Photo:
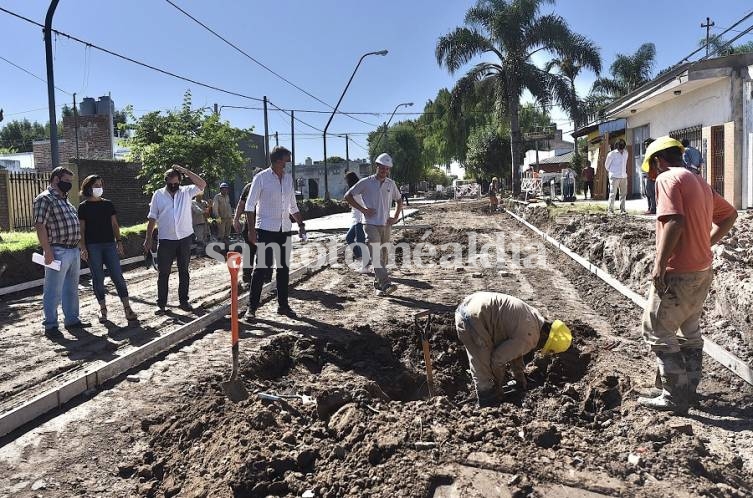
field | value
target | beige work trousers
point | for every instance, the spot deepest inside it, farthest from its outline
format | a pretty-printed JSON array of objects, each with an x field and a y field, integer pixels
[
  {"x": 614, "y": 185},
  {"x": 224, "y": 226},
  {"x": 377, "y": 241},
  {"x": 672, "y": 321}
]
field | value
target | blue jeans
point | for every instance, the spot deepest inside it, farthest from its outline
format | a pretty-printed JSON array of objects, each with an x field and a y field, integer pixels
[
  {"x": 62, "y": 286},
  {"x": 106, "y": 253},
  {"x": 356, "y": 234}
]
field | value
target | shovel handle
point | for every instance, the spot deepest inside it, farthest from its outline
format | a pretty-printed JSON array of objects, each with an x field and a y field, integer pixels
[{"x": 234, "y": 262}]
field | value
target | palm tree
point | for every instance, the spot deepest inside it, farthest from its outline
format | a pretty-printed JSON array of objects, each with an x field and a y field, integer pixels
[
  {"x": 628, "y": 72},
  {"x": 569, "y": 68},
  {"x": 511, "y": 32}
]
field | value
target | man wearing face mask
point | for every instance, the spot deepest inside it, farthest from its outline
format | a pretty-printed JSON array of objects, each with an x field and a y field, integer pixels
[
  {"x": 170, "y": 210},
  {"x": 59, "y": 231},
  {"x": 616, "y": 166},
  {"x": 690, "y": 218}
]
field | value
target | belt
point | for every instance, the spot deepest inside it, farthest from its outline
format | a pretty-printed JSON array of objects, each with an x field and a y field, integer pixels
[{"x": 66, "y": 246}]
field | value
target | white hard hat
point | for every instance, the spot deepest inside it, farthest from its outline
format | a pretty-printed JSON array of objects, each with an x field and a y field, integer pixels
[{"x": 384, "y": 159}]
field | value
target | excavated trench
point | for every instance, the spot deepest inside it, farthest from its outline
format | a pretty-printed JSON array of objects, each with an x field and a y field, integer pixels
[{"x": 368, "y": 419}]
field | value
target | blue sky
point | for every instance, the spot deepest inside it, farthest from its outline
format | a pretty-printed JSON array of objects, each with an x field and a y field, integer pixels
[{"x": 315, "y": 44}]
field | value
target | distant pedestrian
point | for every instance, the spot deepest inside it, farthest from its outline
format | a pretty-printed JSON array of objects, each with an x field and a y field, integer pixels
[
  {"x": 270, "y": 204},
  {"x": 649, "y": 185},
  {"x": 356, "y": 233},
  {"x": 223, "y": 211},
  {"x": 170, "y": 210},
  {"x": 101, "y": 244},
  {"x": 588, "y": 181},
  {"x": 59, "y": 233},
  {"x": 691, "y": 218},
  {"x": 568, "y": 184},
  {"x": 616, "y": 165},
  {"x": 692, "y": 157},
  {"x": 199, "y": 214},
  {"x": 493, "y": 192},
  {"x": 378, "y": 191}
]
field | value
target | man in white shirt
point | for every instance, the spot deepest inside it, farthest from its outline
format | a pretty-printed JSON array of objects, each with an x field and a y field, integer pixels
[
  {"x": 616, "y": 166},
  {"x": 378, "y": 192},
  {"x": 269, "y": 206},
  {"x": 170, "y": 210}
]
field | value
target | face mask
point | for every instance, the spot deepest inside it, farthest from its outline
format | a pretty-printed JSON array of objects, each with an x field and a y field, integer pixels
[
  {"x": 98, "y": 191},
  {"x": 64, "y": 186},
  {"x": 173, "y": 187}
]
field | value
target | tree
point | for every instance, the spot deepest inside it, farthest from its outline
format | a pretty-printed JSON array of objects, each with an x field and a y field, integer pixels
[
  {"x": 20, "y": 135},
  {"x": 628, "y": 73},
  {"x": 335, "y": 160},
  {"x": 488, "y": 153},
  {"x": 720, "y": 47},
  {"x": 570, "y": 68},
  {"x": 66, "y": 111},
  {"x": 120, "y": 120},
  {"x": 510, "y": 33},
  {"x": 402, "y": 143},
  {"x": 194, "y": 138}
]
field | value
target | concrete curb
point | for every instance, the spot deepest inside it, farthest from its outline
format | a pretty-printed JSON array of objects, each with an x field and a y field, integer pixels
[
  {"x": 718, "y": 353},
  {"x": 98, "y": 375}
]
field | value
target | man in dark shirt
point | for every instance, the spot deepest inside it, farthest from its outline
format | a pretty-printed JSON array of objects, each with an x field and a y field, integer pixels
[
  {"x": 58, "y": 230},
  {"x": 588, "y": 181}
]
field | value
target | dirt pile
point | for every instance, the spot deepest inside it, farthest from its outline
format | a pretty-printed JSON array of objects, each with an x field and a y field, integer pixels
[
  {"x": 372, "y": 432},
  {"x": 625, "y": 247}
]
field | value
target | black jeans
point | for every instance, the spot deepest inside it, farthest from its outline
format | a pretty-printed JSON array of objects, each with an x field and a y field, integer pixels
[
  {"x": 167, "y": 252},
  {"x": 588, "y": 187},
  {"x": 276, "y": 246}
]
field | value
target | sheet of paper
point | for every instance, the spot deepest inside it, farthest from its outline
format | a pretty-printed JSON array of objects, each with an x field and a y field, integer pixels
[{"x": 39, "y": 259}]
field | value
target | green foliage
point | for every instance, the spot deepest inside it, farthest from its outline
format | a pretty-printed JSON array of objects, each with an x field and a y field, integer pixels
[
  {"x": 628, "y": 72},
  {"x": 120, "y": 120},
  {"x": 403, "y": 144},
  {"x": 488, "y": 154},
  {"x": 20, "y": 135},
  {"x": 435, "y": 176},
  {"x": 67, "y": 111},
  {"x": 194, "y": 138},
  {"x": 18, "y": 241},
  {"x": 335, "y": 160},
  {"x": 507, "y": 35},
  {"x": 7, "y": 150}
]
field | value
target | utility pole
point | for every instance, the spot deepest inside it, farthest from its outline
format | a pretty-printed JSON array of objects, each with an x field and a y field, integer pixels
[
  {"x": 277, "y": 140},
  {"x": 51, "y": 83},
  {"x": 292, "y": 146},
  {"x": 266, "y": 134},
  {"x": 347, "y": 154},
  {"x": 708, "y": 25},
  {"x": 75, "y": 121}
]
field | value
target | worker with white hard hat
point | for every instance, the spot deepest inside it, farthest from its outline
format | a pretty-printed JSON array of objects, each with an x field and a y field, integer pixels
[
  {"x": 496, "y": 330},
  {"x": 378, "y": 192}
]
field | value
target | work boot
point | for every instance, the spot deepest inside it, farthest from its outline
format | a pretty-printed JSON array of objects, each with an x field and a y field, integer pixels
[
  {"x": 674, "y": 378},
  {"x": 487, "y": 398},
  {"x": 694, "y": 366}
]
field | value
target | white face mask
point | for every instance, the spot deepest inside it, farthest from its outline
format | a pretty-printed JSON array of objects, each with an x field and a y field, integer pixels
[{"x": 98, "y": 191}]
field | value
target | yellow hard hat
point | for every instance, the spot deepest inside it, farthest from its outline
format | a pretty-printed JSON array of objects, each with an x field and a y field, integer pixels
[
  {"x": 660, "y": 143},
  {"x": 559, "y": 340}
]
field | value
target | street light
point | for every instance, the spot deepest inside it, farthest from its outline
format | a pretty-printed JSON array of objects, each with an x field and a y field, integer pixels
[
  {"x": 387, "y": 125},
  {"x": 334, "y": 111}
]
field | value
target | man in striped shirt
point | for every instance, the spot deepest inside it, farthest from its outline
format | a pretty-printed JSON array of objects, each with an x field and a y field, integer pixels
[
  {"x": 59, "y": 232},
  {"x": 269, "y": 206}
]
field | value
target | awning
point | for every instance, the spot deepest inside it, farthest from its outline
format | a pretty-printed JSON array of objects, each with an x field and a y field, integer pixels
[{"x": 613, "y": 126}]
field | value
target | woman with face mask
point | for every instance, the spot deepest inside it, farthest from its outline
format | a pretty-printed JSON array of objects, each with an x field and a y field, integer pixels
[{"x": 101, "y": 244}]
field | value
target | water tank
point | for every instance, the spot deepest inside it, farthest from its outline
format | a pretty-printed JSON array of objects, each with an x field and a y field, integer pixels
[
  {"x": 105, "y": 105},
  {"x": 87, "y": 107}
]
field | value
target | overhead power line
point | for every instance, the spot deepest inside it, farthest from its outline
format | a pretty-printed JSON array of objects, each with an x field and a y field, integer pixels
[
  {"x": 33, "y": 75},
  {"x": 256, "y": 61},
  {"x": 134, "y": 61}
]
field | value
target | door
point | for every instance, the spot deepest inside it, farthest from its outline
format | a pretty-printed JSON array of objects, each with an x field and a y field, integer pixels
[
  {"x": 640, "y": 135},
  {"x": 313, "y": 189},
  {"x": 717, "y": 159}
]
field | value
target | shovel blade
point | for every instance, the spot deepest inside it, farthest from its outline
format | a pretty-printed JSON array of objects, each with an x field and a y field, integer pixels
[{"x": 235, "y": 390}]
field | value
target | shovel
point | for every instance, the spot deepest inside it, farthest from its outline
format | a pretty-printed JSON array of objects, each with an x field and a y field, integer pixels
[
  {"x": 234, "y": 388},
  {"x": 422, "y": 333}
]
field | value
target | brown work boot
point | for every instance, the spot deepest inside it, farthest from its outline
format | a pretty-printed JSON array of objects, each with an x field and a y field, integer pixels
[{"x": 674, "y": 378}]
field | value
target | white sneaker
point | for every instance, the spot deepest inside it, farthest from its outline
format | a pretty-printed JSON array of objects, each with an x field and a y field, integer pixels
[
  {"x": 365, "y": 270},
  {"x": 379, "y": 292}
]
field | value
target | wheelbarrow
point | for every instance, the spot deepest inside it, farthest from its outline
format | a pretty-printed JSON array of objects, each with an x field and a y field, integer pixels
[{"x": 234, "y": 387}]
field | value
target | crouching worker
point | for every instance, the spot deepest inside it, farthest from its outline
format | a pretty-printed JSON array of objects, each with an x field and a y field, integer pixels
[{"x": 497, "y": 330}]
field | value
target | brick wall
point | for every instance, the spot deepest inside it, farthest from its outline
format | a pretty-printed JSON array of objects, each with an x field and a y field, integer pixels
[
  {"x": 95, "y": 136},
  {"x": 4, "y": 194},
  {"x": 122, "y": 187}
]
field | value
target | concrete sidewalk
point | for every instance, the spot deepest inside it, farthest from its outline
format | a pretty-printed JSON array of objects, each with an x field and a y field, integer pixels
[{"x": 339, "y": 221}]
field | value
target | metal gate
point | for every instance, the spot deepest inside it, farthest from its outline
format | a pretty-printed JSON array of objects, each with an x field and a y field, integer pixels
[
  {"x": 717, "y": 159},
  {"x": 24, "y": 187}
]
